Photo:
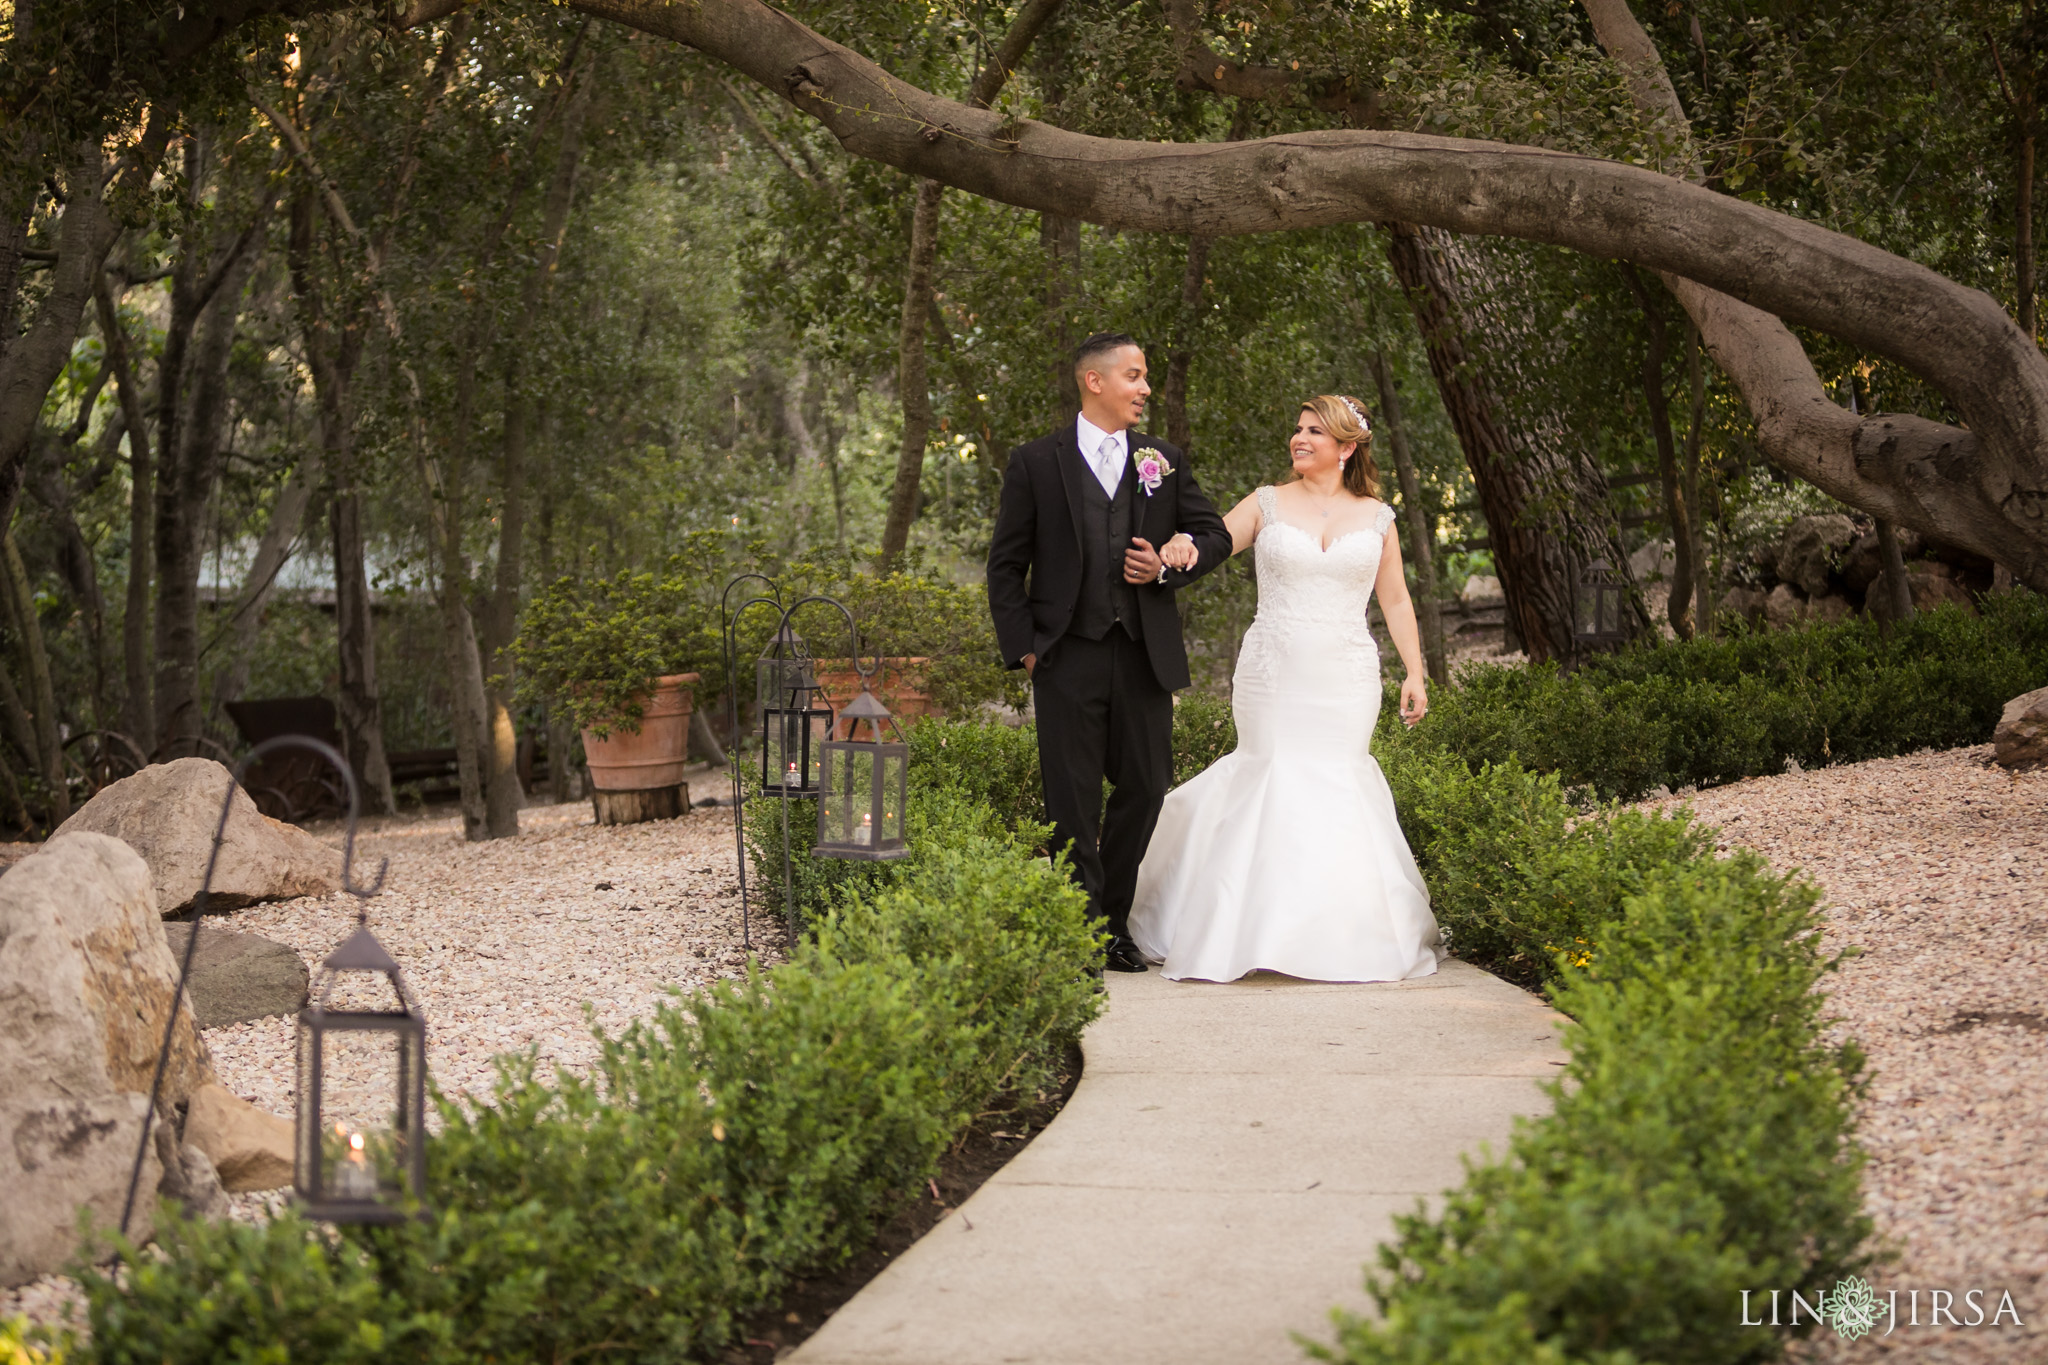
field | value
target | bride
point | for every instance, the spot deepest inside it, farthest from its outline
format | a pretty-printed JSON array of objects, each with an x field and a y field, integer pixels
[{"x": 1285, "y": 855}]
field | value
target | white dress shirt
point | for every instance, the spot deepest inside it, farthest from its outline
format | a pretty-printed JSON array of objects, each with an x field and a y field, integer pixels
[{"x": 1109, "y": 468}]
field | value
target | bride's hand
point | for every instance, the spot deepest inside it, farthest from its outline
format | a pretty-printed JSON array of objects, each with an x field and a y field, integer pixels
[
  {"x": 1414, "y": 700},
  {"x": 1179, "y": 553}
]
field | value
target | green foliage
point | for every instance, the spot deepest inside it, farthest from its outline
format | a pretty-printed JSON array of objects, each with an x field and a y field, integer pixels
[
  {"x": 1713, "y": 711},
  {"x": 1009, "y": 946},
  {"x": 992, "y": 766},
  {"x": 1514, "y": 877},
  {"x": 240, "y": 1294},
  {"x": 1204, "y": 729},
  {"x": 1700, "y": 1144},
  {"x": 21, "y": 1344},
  {"x": 594, "y": 646},
  {"x": 727, "y": 1144},
  {"x": 913, "y": 610}
]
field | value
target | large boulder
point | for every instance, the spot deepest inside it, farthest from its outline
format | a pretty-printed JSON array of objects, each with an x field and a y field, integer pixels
[
  {"x": 86, "y": 989},
  {"x": 238, "y": 976},
  {"x": 1935, "y": 584},
  {"x": 1810, "y": 550},
  {"x": 1784, "y": 606},
  {"x": 168, "y": 813},
  {"x": 2021, "y": 739}
]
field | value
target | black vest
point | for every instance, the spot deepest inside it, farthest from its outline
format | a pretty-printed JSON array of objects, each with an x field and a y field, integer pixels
[{"x": 1106, "y": 522}]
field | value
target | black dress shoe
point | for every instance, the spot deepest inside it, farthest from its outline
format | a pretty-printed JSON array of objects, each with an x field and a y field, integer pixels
[{"x": 1123, "y": 956}]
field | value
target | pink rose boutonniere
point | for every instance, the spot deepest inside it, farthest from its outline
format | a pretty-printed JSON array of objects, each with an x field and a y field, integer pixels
[{"x": 1152, "y": 468}]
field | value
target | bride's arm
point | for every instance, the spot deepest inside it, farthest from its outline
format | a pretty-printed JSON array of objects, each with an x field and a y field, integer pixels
[
  {"x": 1399, "y": 610},
  {"x": 1242, "y": 521}
]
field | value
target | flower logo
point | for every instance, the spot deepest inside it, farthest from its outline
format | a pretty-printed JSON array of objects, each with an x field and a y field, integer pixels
[
  {"x": 1852, "y": 1309},
  {"x": 1152, "y": 468}
]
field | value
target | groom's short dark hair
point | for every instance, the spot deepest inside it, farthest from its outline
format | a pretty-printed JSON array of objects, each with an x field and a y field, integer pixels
[{"x": 1102, "y": 343}]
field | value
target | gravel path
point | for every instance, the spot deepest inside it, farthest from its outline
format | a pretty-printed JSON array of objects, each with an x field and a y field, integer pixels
[
  {"x": 1934, "y": 866},
  {"x": 506, "y": 941}
]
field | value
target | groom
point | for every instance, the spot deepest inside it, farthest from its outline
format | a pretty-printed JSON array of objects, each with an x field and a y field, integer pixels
[{"x": 1083, "y": 604}]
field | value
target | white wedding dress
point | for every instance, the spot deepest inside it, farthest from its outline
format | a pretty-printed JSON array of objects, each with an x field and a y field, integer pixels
[{"x": 1284, "y": 855}]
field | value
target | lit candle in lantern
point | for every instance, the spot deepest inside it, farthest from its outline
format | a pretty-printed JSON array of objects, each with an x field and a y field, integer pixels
[
  {"x": 866, "y": 833},
  {"x": 356, "y": 1175}
]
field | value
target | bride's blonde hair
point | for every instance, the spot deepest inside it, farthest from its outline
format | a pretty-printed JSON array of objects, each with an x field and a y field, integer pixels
[{"x": 1344, "y": 418}]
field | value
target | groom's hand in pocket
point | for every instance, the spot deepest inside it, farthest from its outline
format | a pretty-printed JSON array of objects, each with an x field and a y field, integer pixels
[{"x": 1141, "y": 562}]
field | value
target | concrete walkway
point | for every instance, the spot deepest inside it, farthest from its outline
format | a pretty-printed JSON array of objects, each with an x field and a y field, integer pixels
[{"x": 1219, "y": 1179}]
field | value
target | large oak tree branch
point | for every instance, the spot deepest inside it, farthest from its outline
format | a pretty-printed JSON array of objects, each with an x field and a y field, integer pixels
[
  {"x": 1956, "y": 338},
  {"x": 1924, "y": 474}
]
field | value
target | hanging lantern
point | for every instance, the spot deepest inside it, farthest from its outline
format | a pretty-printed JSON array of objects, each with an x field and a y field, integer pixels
[
  {"x": 864, "y": 782},
  {"x": 793, "y": 724},
  {"x": 361, "y": 1150},
  {"x": 1600, "y": 620}
]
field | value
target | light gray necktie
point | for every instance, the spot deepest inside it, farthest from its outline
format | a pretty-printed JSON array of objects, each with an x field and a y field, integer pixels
[{"x": 1109, "y": 465}]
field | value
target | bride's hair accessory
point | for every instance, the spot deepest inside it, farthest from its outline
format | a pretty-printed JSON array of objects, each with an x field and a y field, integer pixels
[{"x": 1358, "y": 412}]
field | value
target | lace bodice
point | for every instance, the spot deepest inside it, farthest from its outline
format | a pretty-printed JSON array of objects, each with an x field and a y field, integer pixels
[{"x": 1312, "y": 603}]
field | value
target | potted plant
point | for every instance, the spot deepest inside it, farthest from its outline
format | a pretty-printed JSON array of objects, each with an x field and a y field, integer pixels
[
  {"x": 936, "y": 642},
  {"x": 620, "y": 657}
]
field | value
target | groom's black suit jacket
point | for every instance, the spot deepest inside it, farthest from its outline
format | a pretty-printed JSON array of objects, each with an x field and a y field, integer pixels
[{"x": 1034, "y": 560}]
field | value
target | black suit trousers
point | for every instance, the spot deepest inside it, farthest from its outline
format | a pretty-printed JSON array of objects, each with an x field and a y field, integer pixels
[{"x": 1102, "y": 714}]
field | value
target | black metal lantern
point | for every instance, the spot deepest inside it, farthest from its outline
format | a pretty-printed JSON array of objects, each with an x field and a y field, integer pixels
[
  {"x": 793, "y": 724},
  {"x": 865, "y": 782},
  {"x": 362, "y": 1152},
  {"x": 1600, "y": 618},
  {"x": 372, "y": 1167}
]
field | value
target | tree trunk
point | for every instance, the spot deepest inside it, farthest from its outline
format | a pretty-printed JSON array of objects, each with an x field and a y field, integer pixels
[
  {"x": 333, "y": 359},
  {"x": 138, "y": 713},
  {"x": 1180, "y": 357},
  {"x": 1546, "y": 511},
  {"x": 1677, "y": 507},
  {"x": 76, "y": 562},
  {"x": 193, "y": 399},
  {"x": 33, "y": 356},
  {"x": 1898, "y": 592},
  {"x": 28, "y": 635},
  {"x": 1420, "y": 550},
  {"x": 912, "y": 383},
  {"x": 287, "y": 520},
  {"x": 359, "y": 706},
  {"x": 1705, "y": 600},
  {"x": 2023, "y": 231}
]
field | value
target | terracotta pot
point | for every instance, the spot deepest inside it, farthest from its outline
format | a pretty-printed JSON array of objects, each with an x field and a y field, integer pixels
[
  {"x": 652, "y": 755},
  {"x": 898, "y": 685}
]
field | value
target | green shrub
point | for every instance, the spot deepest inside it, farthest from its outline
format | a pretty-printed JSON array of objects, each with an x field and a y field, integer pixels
[
  {"x": 1010, "y": 948},
  {"x": 1204, "y": 729},
  {"x": 237, "y": 1294},
  {"x": 993, "y": 765},
  {"x": 569, "y": 1212},
  {"x": 1515, "y": 875},
  {"x": 1714, "y": 711},
  {"x": 732, "y": 1141},
  {"x": 1700, "y": 1145}
]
